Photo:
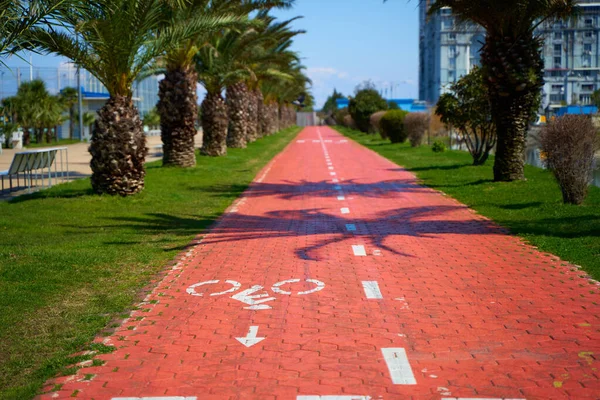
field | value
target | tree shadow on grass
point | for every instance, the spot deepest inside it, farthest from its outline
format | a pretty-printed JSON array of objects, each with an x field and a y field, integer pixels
[{"x": 439, "y": 167}]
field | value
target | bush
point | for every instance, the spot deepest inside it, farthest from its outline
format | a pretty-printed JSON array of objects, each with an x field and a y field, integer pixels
[
  {"x": 374, "y": 125},
  {"x": 392, "y": 126},
  {"x": 392, "y": 105},
  {"x": 569, "y": 144},
  {"x": 416, "y": 125},
  {"x": 339, "y": 115},
  {"x": 349, "y": 122},
  {"x": 438, "y": 146},
  {"x": 363, "y": 105}
]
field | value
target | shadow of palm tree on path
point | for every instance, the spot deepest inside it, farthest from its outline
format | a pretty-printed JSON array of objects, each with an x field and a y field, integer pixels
[{"x": 425, "y": 222}]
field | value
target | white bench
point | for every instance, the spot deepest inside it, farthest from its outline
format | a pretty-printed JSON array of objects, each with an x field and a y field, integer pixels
[{"x": 37, "y": 163}]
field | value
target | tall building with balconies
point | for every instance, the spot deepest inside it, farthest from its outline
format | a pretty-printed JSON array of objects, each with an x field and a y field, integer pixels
[{"x": 571, "y": 53}]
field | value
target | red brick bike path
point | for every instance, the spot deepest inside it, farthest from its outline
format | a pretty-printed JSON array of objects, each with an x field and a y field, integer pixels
[{"x": 336, "y": 274}]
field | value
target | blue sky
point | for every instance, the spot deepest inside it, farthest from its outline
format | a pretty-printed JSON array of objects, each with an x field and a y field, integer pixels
[{"x": 347, "y": 42}]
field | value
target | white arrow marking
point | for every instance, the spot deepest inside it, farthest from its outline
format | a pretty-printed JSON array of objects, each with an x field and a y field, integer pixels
[
  {"x": 247, "y": 297},
  {"x": 371, "y": 289},
  {"x": 250, "y": 339}
]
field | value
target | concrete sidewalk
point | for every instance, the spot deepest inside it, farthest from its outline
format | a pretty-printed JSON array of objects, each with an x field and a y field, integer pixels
[{"x": 337, "y": 276}]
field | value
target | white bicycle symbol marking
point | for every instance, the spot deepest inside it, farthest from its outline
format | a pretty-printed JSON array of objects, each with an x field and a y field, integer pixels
[{"x": 248, "y": 296}]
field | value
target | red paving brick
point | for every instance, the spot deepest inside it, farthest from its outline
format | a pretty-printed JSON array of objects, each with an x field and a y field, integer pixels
[{"x": 479, "y": 313}]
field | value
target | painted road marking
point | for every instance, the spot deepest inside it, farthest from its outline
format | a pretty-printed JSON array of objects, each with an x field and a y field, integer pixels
[
  {"x": 250, "y": 339},
  {"x": 328, "y": 141},
  {"x": 350, "y": 227},
  {"x": 371, "y": 289},
  {"x": 345, "y": 210},
  {"x": 332, "y": 174},
  {"x": 316, "y": 141},
  {"x": 398, "y": 365},
  {"x": 476, "y": 398},
  {"x": 276, "y": 288},
  {"x": 254, "y": 300},
  {"x": 334, "y": 397},
  {"x": 331, "y": 168},
  {"x": 340, "y": 198},
  {"x": 300, "y": 141},
  {"x": 335, "y": 180},
  {"x": 359, "y": 250},
  {"x": 157, "y": 398}
]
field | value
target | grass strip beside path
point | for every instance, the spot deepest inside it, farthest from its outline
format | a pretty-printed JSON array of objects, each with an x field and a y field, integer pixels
[
  {"x": 72, "y": 261},
  {"x": 59, "y": 143},
  {"x": 532, "y": 209}
]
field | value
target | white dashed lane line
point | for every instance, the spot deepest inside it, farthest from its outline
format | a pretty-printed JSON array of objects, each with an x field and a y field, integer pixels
[
  {"x": 371, "y": 289},
  {"x": 359, "y": 250},
  {"x": 399, "y": 367}
]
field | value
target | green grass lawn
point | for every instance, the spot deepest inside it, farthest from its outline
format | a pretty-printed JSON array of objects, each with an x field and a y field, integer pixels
[
  {"x": 71, "y": 261},
  {"x": 60, "y": 142},
  {"x": 532, "y": 209}
]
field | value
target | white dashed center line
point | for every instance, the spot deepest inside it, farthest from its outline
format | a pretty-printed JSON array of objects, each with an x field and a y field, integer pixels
[
  {"x": 359, "y": 250},
  {"x": 345, "y": 210},
  {"x": 371, "y": 289},
  {"x": 399, "y": 367}
]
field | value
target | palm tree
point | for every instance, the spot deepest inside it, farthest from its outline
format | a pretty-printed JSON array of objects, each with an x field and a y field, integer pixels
[
  {"x": 177, "y": 91},
  {"x": 267, "y": 55},
  {"x": 119, "y": 38},
  {"x": 279, "y": 93},
  {"x": 18, "y": 17},
  {"x": 512, "y": 67},
  {"x": 70, "y": 96},
  {"x": 30, "y": 104}
]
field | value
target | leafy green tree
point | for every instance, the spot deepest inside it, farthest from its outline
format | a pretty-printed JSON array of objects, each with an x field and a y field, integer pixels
[
  {"x": 512, "y": 67},
  {"x": 467, "y": 108},
  {"x": 393, "y": 105},
  {"x": 330, "y": 105},
  {"x": 116, "y": 40},
  {"x": 365, "y": 103}
]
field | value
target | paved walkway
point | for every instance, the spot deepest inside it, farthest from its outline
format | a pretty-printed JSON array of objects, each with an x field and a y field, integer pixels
[{"x": 337, "y": 275}]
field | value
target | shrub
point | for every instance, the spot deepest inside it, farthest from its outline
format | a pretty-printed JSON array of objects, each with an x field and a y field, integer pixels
[
  {"x": 569, "y": 144},
  {"x": 392, "y": 105},
  {"x": 392, "y": 126},
  {"x": 349, "y": 122},
  {"x": 438, "y": 146},
  {"x": 374, "y": 125},
  {"x": 416, "y": 125},
  {"x": 363, "y": 105},
  {"x": 339, "y": 115}
]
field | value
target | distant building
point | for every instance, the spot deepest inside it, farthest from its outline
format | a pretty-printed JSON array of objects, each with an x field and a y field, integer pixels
[
  {"x": 410, "y": 105},
  {"x": 95, "y": 95},
  {"x": 571, "y": 54}
]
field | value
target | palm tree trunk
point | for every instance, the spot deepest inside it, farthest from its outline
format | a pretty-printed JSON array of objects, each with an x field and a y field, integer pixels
[
  {"x": 237, "y": 108},
  {"x": 252, "y": 133},
  {"x": 214, "y": 125},
  {"x": 118, "y": 149},
  {"x": 178, "y": 109},
  {"x": 273, "y": 118},
  {"x": 26, "y": 136},
  {"x": 514, "y": 74},
  {"x": 71, "y": 122}
]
